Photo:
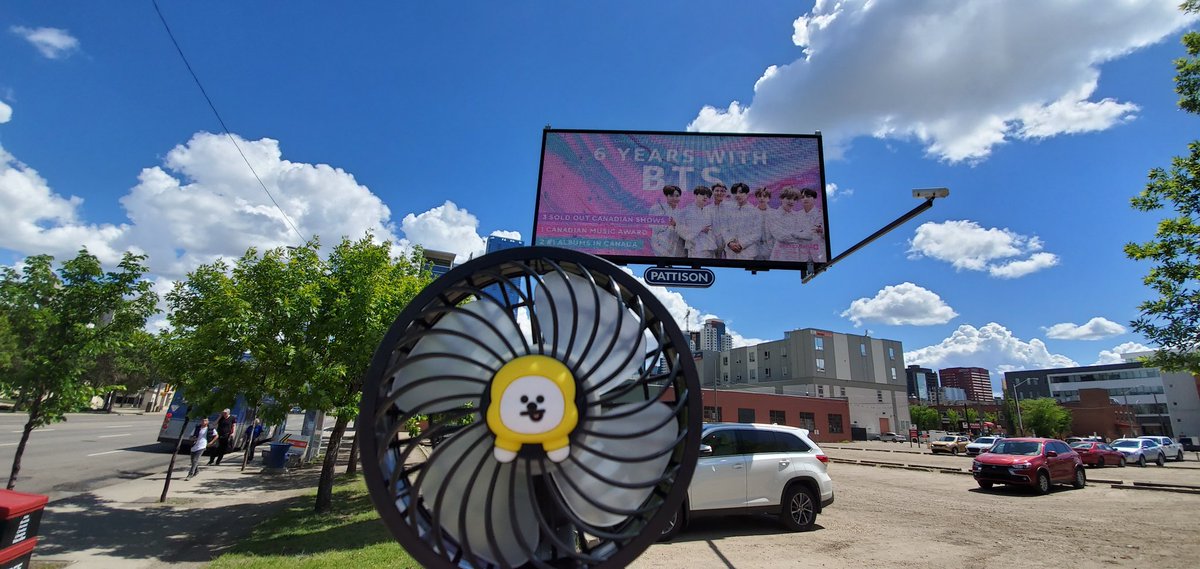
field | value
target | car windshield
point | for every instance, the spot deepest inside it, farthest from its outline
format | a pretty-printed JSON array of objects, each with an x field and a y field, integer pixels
[
  {"x": 1125, "y": 443},
  {"x": 947, "y": 439},
  {"x": 1028, "y": 448},
  {"x": 985, "y": 441}
]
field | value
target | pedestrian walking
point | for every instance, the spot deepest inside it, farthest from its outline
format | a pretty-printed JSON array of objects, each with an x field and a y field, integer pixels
[
  {"x": 225, "y": 429},
  {"x": 204, "y": 436}
]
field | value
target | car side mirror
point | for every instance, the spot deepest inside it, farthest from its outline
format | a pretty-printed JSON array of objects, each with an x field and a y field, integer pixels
[
  {"x": 705, "y": 450},
  {"x": 1051, "y": 454}
]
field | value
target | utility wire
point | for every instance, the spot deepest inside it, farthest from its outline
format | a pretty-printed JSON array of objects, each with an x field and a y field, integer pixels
[{"x": 222, "y": 121}]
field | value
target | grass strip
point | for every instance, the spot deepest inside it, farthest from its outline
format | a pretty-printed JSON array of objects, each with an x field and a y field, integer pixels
[{"x": 351, "y": 535}]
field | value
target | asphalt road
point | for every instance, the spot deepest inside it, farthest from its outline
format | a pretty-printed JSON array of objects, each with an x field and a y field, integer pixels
[{"x": 85, "y": 452}]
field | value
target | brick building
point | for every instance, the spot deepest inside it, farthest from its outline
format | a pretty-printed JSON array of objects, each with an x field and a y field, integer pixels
[
  {"x": 975, "y": 381},
  {"x": 1095, "y": 413},
  {"x": 827, "y": 419}
]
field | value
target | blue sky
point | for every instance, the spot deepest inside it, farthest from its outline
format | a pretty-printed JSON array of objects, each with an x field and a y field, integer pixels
[{"x": 423, "y": 123}]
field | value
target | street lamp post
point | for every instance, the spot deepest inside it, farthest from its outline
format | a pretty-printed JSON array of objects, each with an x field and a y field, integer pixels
[{"x": 1017, "y": 396}]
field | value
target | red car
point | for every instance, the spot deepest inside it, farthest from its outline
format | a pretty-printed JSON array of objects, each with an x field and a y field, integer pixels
[
  {"x": 1039, "y": 463},
  {"x": 1094, "y": 453}
]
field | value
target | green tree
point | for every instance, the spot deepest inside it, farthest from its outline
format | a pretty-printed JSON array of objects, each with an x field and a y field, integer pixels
[
  {"x": 63, "y": 320},
  {"x": 926, "y": 418},
  {"x": 954, "y": 419},
  {"x": 1172, "y": 320},
  {"x": 972, "y": 416},
  {"x": 1045, "y": 417}
]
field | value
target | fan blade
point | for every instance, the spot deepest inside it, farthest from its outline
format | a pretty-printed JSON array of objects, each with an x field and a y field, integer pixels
[
  {"x": 617, "y": 346},
  {"x": 654, "y": 443},
  {"x": 452, "y": 364},
  {"x": 448, "y": 490}
]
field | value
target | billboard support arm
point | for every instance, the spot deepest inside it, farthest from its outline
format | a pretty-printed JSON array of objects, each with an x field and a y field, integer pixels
[{"x": 928, "y": 203}]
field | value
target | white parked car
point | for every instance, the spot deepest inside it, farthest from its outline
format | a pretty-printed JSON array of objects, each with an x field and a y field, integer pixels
[
  {"x": 747, "y": 468},
  {"x": 981, "y": 445},
  {"x": 1172, "y": 449},
  {"x": 890, "y": 437},
  {"x": 1140, "y": 451}
]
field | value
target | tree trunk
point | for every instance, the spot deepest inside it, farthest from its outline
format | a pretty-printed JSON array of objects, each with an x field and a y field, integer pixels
[
  {"x": 246, "y": 458},
  {"x": 171, "y": 467},
  {"x": 325, "y": 485},
  {"x": 34, "y": 411},
  {"x": 352, "y": 467}
]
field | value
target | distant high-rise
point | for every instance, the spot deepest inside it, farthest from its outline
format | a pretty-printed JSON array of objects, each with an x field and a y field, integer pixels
[
  {"x": 440, "y": 262},
  {"x": 922, "y": 383},
  {"x": 975, "y": 381},
  {"x": 496, "y": 243},
  {"x": 713, "y": 337}
]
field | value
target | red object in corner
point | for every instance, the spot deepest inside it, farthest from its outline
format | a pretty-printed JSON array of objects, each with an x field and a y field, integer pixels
[
  {"x": 17, "y": 556},
  {"x": 20, "y": 516}
]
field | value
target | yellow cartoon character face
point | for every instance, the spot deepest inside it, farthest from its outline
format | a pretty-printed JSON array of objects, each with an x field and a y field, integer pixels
[{"x": 533, "y": 402}]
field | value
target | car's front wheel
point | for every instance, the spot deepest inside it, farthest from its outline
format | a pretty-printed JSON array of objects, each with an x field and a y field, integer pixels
[
  {"x": 1160, "y": 460},
  {"x": 1122, "y": 463},
  {"x": 1080, "y": 478},
  {"x": 1100, "y": 462},
  {"x": 1142, "y": 460},
  {"x": 673, "y": 527},
  {"x": 1179, "y": 457},
  {"x": 1043, "y": 483},
  {"x": 799, "y": 508},
  {"x": 984, "y": 484}
]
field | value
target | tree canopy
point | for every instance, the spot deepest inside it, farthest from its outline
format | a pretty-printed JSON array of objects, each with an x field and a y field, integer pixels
[
  {"x": 1172, "y": 320},
  {"x": 1045, "y": 417}
]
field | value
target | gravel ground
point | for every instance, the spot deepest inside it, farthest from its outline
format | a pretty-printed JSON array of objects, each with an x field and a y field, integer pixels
[{"x": 886, "y": 517}]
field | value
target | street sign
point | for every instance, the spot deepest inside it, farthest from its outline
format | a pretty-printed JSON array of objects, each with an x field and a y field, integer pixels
[{"x": 679, "y": 276}]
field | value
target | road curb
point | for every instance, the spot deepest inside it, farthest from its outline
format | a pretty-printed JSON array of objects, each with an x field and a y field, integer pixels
[{"x": 1158, "y": 489}]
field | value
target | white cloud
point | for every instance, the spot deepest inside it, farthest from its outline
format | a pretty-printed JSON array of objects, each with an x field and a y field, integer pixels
[
  {"x": 53, "y": 43},
  {"x": 5, "y": 112},
  {"x": 992, "y": 347},
  {"x": 966, "y": 245},
  {"x": 507, "y": 234},
  {"x": 834, "y": 193},
  {"x": 688, "y": 317},
  {"x": 445, "y": 228},
  {"x": 1097, "y": 328},
  {"x": 1113, "y": 356},
  {"x": 902, "y": 304},
  {"x": 956, "y": 77}
]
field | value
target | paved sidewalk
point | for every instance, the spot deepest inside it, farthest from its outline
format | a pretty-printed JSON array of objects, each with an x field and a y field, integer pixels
[{"x": 125, "y": 526}]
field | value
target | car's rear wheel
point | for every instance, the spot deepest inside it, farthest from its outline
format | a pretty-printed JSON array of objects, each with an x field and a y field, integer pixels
[
  {"x": 1043, "y": 483},
  {"x": 1179, "y": 457},
  {"x": 673, "y": 527},
  {"x": 1080, "y": 479},
  {"x": 799, "y": 508},
  {"x": 1142, "y": 460},
  {"x": 1100, "y": 462},
  {"x": 954, "y": 451},
  {"x": 984, "y": 484},
  {"x": 1160, "y": 460},
  {"x": 1122, "y": 463}
]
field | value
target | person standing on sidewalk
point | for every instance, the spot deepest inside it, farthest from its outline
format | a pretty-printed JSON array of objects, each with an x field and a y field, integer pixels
[
  {"x": 204, "y": 435},
  {"x": 225, "y": 429}
]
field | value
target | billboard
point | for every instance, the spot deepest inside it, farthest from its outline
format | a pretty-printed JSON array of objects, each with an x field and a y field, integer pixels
[{"x": 754, "y": 201}]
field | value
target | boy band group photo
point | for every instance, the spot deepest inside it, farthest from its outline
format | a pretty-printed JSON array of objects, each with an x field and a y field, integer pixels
[{"x": 715, "y": 227}]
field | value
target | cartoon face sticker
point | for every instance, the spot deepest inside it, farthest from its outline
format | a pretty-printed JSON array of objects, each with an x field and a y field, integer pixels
[{"x": 533, "y": 402}]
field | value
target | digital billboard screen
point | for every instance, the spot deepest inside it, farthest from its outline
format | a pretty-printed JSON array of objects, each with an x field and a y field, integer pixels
[{"x": 755, "y": 201}]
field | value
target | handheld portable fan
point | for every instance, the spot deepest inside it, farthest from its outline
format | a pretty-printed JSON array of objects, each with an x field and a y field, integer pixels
[{"x": 559, "y": 410}]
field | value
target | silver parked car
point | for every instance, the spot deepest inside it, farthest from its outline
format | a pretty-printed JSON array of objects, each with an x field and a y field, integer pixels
[
  {"x": 1172, "y": 449},
  {"x": 1141, "y": 451},
  {"x": 981, "y": 445}
]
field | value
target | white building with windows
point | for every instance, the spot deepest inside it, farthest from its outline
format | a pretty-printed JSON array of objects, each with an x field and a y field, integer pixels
[{"x": 867, "y": 372}]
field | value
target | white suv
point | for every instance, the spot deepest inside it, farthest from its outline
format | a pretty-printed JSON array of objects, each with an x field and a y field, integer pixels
[
  {"x": 1171, "y": 449},
  {"x": 751, "y": 468}
]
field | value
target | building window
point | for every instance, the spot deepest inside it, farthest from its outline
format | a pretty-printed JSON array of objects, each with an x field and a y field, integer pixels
[
  {"x": 891, "y": 353},
  {"x": 745, "y": 415},
  {"x": 819, "y": 343},
  {"x": 777, "y": 417},
  {"x": 753, "y": 374},
  {"x": 767, "y": 372},
  {"x": 835, "y": 423},
  {"x": 739, "y": 377},
  {"x": 893, "y": 374},
  {"x": 820, "y": 364},
  {"x": 725, "y": 361},
  {"x": 766, "y": 354},
  {"x": 862, "y": 349},
  {"x": 808, "y": 421},
  {"x": 726, "y": 378},
  {"x": 843, "y": 392},
  {"x": 879, "y": 396},
  {"x": 751, "y": 356},
  {"x": 820, "y": 391},
  {"x": 712, "y": 413}
]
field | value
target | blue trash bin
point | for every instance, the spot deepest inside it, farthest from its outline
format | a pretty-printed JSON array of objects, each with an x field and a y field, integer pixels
[{"x": 277, "y": 458}]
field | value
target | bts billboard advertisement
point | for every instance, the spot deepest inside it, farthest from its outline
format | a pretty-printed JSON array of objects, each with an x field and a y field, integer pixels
[{"x": 754, "y": 201}]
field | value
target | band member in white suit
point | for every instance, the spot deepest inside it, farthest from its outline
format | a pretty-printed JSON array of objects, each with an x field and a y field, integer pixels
[
  {"x": 742, "y": 225},
  {"x": 665, "y": 239},
  {"x": 815, "y": 250},
  {"x": 720, "y": 205},
  {"x": 794, "y": 233},
  {"x": 762, "y": 199},
  {"x": 696, "y": 225}
]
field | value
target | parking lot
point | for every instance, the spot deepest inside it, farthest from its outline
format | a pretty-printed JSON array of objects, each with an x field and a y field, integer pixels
[{"x": 891, "y": 517}]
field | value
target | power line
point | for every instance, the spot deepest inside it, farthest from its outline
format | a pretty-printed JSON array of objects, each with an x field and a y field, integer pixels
[{"x": 224, "y": 128}]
